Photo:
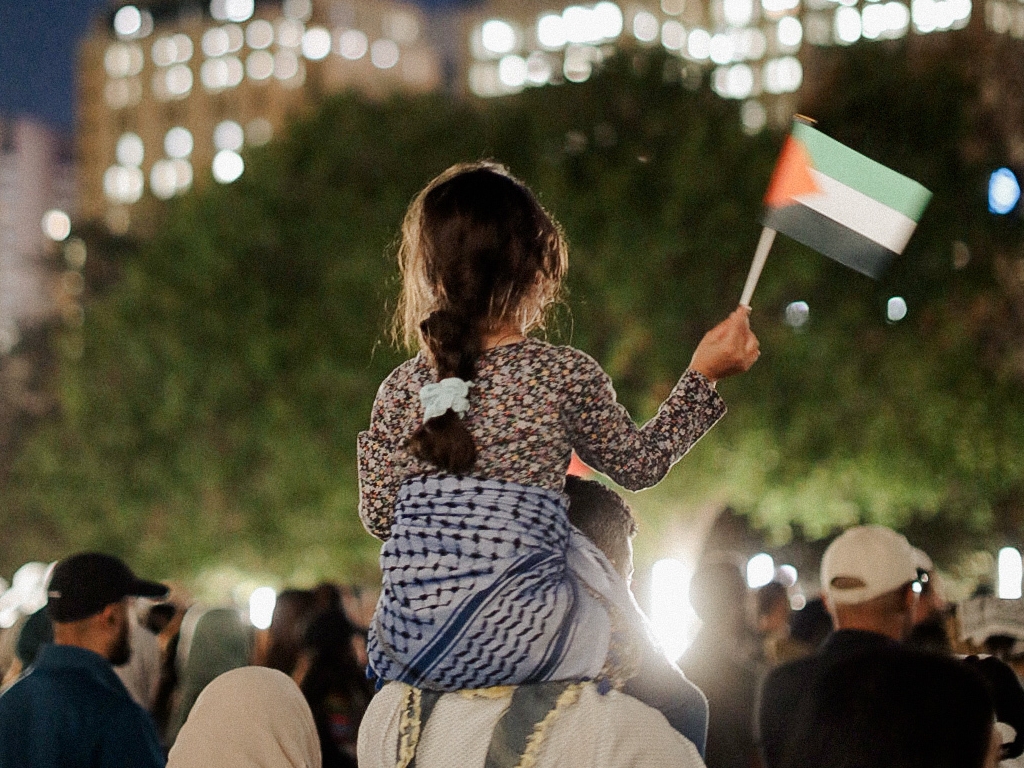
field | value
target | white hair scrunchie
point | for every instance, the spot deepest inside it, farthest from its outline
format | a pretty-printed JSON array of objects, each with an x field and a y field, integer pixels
[{"x": 448, "y": 394}]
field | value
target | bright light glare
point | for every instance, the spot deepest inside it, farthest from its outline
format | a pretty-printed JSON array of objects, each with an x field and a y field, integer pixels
[
  {"x": 316, "y": 43},
  {"x": 698, "y": 45},
  {"x": 787, "y": 575},
  {"x": 847, "y": 25},
  {"x": 239, "y": 10},
  {"x": 178, "y": 142},
  {"x": 130, "y": 150},
  {"x": 551, "y": 31},
  {"x": 498, "y": 36},
  {"x": 56, "y": 225},
  {"x": 797, "y": 314},
  {"x": 760, "y": 570},
  {"x": 123, "y": 185},
  {"x": 261, "y": 607},
  {"x": 1010, "y": 572},
  {"x": 227, "y": 166},
  {"x": 790, "y": 32},
  {"x": 738, "y": 13},
  {"x": 673, "y": 35},
  {"x": 1003, "y": 191},
  {"x": 673, "y": 619},
  {"x": 128, "y": 21},
  {"x": 259, "y": 34},
  {"x": 384, "y": 53},
  {"x": 512, "y": 71},
  {"x": 645, "y": 27},
  {"x": 353, "y": 44},
  {"x": 228, "y": 135},
  {"x": 895, "y": 309}
]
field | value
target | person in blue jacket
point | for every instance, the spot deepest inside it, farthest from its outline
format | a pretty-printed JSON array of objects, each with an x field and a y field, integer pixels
[{"x": 70, "y": 710}]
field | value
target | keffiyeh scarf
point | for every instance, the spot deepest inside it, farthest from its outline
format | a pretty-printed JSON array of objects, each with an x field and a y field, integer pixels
[{"x": 486, "y": 583}]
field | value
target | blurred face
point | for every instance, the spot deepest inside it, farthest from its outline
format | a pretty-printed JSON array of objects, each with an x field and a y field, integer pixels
[{"x": 120, "y": 646}]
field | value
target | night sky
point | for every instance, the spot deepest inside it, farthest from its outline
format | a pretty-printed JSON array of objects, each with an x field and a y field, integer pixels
[{"x": 37, "y": 55}]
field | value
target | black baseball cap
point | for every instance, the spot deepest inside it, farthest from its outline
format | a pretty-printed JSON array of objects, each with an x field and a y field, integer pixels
[{"x": 84, "y": 584}]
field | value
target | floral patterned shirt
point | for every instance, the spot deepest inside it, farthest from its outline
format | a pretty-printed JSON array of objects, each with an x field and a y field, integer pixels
[{"x": 531, "y": 405}]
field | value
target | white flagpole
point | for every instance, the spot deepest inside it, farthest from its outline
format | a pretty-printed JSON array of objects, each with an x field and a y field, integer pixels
[{"x": 760, "y": 257}]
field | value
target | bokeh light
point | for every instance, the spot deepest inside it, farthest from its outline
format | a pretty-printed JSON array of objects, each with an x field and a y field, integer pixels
[
  {"x": 261, "y": 607},
  {"x": 760, "y": 570},
  {"x": 1011, "y": 571},
  {"x": 1003, "y": 191}
]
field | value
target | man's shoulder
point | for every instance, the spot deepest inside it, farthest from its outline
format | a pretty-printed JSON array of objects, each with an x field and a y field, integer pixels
[{"x": 792, "y": 673}]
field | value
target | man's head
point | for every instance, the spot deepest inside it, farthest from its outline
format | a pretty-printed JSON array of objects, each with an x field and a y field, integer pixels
[
  {"x": 88, "y": 603},
  {"x": 603, "y": 517},
  {"x": 867, "y": 575}
]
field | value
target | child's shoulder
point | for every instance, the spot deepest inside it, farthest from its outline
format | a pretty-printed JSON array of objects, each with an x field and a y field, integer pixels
[
  {"x": 564, "y": 355},
  {"x": 412, "y": 370}
]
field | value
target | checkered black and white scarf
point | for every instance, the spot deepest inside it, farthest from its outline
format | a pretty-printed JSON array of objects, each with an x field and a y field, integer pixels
[{"x": 486, "y": 583}]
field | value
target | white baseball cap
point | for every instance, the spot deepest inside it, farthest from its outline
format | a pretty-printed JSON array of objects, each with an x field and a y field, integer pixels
[{"x": 865, "y": 562}]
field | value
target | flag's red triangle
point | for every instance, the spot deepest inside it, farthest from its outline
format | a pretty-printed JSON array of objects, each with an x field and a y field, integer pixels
[
  {"x": 792, "y": 175},
  {"x": 578, "y": 468}
]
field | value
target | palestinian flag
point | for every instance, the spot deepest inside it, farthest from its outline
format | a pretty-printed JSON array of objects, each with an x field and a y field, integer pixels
[{"x": 840, "y": 203}]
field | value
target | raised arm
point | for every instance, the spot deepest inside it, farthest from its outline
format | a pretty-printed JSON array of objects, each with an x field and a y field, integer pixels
[{"x": 604, "y": 435}]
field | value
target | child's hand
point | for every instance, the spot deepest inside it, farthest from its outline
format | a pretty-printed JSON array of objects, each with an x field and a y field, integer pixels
[{"x": 728, "y": 348}]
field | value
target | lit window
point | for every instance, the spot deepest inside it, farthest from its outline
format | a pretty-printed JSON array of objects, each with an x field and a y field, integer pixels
[
  {"x": 384, "y": 54},
  {"x": 512, "y": 71},
  {"x": 483, "y": 79},
  {"x": 286, "y": 65},
  {"x": 123, "y": 60},
  {"x": 232, "y": 10},
  {"x": 538, "y": 68},
  {"x": 754, "y": 117},
  {"x": 498, "y": 36},
  {"x": 178, "y": 142},
  {"x": 122, "y": 93},
  {"x": 183, "y": 48},
  {"x": 551, "y": 31},
  {"x": 353, "y": 44},
  {"x": 847, "y": 26},
  {"x": 227, "y": 166},
  {"x": 289, "y": 33},
  {"x": 738, "y": 13},
  {"x": 130, "y": 150},
  {"x": 168, "y": 178},
  {"x": 316, "y": 43},
  {"x": 123, "y": 185},
  {"x": 164, "y": 51},
  {"x": 673, "y": 35},
  {"x": 300, "y": 10},
  {"x": 215, "y": 42},
  {"x": 721, "y": 49},
  {"x": 783, "y": 75},
  {"x": 402, "y": 27},
  {"x": 789, "y": 32},
  {"x": 579, "y": 63},
  {"x": 259, "y": 131},
  {"x": 260, "y": 65},
  {"x": 259, "y": 34},
  {"x": 228, "y": 135},
  {"x": 698, "y": 44},
  {"x": 179, "y": 80},
  {"x": 56, "y": 225},
  {"x": 735, "y": 82},
  {"x": 128, "y": 21},
  {"x": 645, "y": 27}
]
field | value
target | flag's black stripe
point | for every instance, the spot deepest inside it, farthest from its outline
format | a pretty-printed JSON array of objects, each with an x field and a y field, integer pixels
[{"x": 830, "y": 238}]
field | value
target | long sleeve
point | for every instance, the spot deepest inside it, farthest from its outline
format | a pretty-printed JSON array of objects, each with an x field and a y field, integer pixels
[
  {"x": 606, "y": 438},
  {"x": 382, "y": 461}
]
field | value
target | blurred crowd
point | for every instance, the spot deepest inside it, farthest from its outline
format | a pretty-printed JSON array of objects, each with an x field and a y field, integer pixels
[
  {"x": 881, "y": 670},
  {"x": 316, "y": 639}
]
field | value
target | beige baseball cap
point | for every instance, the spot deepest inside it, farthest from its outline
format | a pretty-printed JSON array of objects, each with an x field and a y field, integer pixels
[{"x": 865, "y": 562}]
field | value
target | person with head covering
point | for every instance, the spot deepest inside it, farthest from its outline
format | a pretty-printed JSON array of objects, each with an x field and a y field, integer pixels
[
  {"x": 251, "y": 717},
  {"x": 71, "y": 709},
  {"x": 213, "y": 641},
  {"x": 868, "y": 575}
]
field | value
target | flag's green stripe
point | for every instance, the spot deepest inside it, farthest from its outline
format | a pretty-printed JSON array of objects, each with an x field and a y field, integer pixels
[
  {"x": 854, "y": 170},
  {"x": 829, "y": 237}
]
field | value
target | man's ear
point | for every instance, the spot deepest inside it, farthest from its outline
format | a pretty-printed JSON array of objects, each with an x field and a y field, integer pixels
[{"x": 110, "y": 614}]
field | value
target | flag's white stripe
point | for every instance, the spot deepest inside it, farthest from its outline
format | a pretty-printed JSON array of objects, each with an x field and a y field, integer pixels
[{"x": 855, "y": 210}]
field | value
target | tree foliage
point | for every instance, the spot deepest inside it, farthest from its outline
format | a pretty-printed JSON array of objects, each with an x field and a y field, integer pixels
[{"x": 212, "y": 414}]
